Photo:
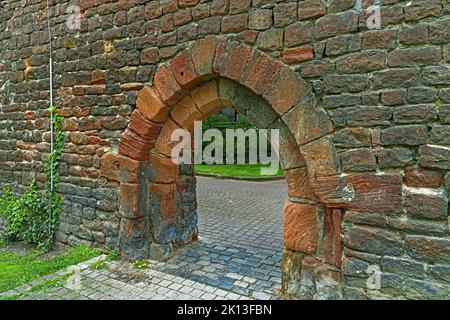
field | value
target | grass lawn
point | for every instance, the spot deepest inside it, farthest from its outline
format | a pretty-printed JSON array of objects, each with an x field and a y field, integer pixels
[
  {"x": 16, "y": 270},
  {"x": 235, "y": 170}
]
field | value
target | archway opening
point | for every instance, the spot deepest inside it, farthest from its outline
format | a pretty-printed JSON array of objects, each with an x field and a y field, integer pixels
[
  {"x": 157, "y": 201},
  {"x": 239, "y": 224}
]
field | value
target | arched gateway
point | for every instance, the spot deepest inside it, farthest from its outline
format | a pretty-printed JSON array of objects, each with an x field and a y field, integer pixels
[{"x": 156, "y": 202}]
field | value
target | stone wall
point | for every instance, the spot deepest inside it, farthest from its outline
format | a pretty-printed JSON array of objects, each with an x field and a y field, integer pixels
[{"x": 384, "y": 204}]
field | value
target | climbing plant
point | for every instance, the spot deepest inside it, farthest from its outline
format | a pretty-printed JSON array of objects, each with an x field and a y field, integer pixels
[{"x": 33, "y": 217}]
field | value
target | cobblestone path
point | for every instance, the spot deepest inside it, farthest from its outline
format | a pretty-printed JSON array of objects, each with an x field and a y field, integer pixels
[{"x": 238, "y": 254}]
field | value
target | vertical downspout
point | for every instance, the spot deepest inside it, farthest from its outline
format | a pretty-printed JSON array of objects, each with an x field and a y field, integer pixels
[{"x": 51, "y": 116}]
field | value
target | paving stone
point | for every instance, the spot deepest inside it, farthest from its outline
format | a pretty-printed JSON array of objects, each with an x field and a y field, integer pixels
[{"x": 226, "y": 263}]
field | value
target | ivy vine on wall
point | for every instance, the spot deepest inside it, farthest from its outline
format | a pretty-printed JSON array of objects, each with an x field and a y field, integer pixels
[{"x": 34, "y": 216}]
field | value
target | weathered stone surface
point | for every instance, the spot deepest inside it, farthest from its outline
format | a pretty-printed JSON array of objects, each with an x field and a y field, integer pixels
[
  {"x": 421, "y": 94},
  {"x": 414, "y": 57},
  {"x": 259, "y": 72},
  {"x": 207, "y": 98},
  {"x": 352, "y": 138},
  {"x": 132, "y": 201},
  {"x": 440, "y": 134},
  {"x": 162, "y": 169},
  {"x": 395, "y": 78},
  {"x": 285, "y": 90},
  {"x": 332, "y": 242},
  {"x": 379, "y": 39},
  {"x": 203, "y": 52},
  {"x": 366, "y": 218},
  {"x": 418, "y": 226},
  {"x": 358, "y": 160},
  {"x": 270, "y": 39},
  {"x": 393, "y": 97},
  {"x": 439, "y": 31},
  {"x": 415, "y": 114},
  {"x": 444, "y": 113},
  {"x": 120, "y": 168},
  {"x": 430, "y": 249},
  {"x": 160, "y": 252},
  {"x": 423, "y": 178},
  {"x": 434, "y": 157},
  {"x": 167, "y": 86},
  {"x": 254, "y": 107},
  {"x": 407, "y": 135},
  {"x": 184, "y": 70},
  {"x": 342, "y": 100},
  {"x": 291, "y": 272},
  {"x": 301, "y": 230},
  {"x": 187, "y": 230},
  {"x": 163, "y": 209},
  {"x": 395, "y": 157},
  {"x": 312, "y": 9},
  {"x": 335, "y": 24},
  {"x": 365, "y": 61},
  {"x": 406, "y": 267},
  {"x": 345, "y": 83},
  {"x": 260, "y": 19},
  {"x": 133, "y": 238},
  {"x": 297, "y": 55},
  {"x": 289, "y": 151},
  {"x": 307, "y": 122},
  {"x": 186, "y": 112},
  {"x": 235, "y": 61},
  {"x": 135, "y": 146},
  {"x": 426, "y": 203},
  {"x": 416, "y": 289},
  {"x": 297, "y": 33},
  {"x": 321, "y": 158},
  {"x": 143, "y": 127},
  {"x": 150, "y": 105},
  {"x": 366, "y": 192},
  {"x": 373, "y": 240},
  {"x": 298, "y": 184},
  {"x": 436, "y": 75}
]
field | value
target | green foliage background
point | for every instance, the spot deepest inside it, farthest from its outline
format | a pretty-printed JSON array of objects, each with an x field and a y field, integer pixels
[{"x": 221, "y": 122}]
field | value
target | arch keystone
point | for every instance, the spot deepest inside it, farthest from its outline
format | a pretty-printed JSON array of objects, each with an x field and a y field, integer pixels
[
  {"x": 235, "y": 61},
  {"x": 203, "y": 52}
]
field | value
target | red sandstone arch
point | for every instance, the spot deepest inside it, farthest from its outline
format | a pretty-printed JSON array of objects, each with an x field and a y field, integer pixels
[{"x": 192, "y": 86}]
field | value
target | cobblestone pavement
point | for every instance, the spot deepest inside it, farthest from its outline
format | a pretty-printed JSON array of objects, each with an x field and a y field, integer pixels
[{"x": 238, "y": 254}]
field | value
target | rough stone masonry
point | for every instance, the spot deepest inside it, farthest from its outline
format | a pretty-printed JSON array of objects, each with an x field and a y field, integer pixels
[{"x": 364, "y": 116}]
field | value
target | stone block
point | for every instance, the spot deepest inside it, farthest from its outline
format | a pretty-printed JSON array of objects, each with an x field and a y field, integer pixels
[{"x": 301, "y": 229}]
